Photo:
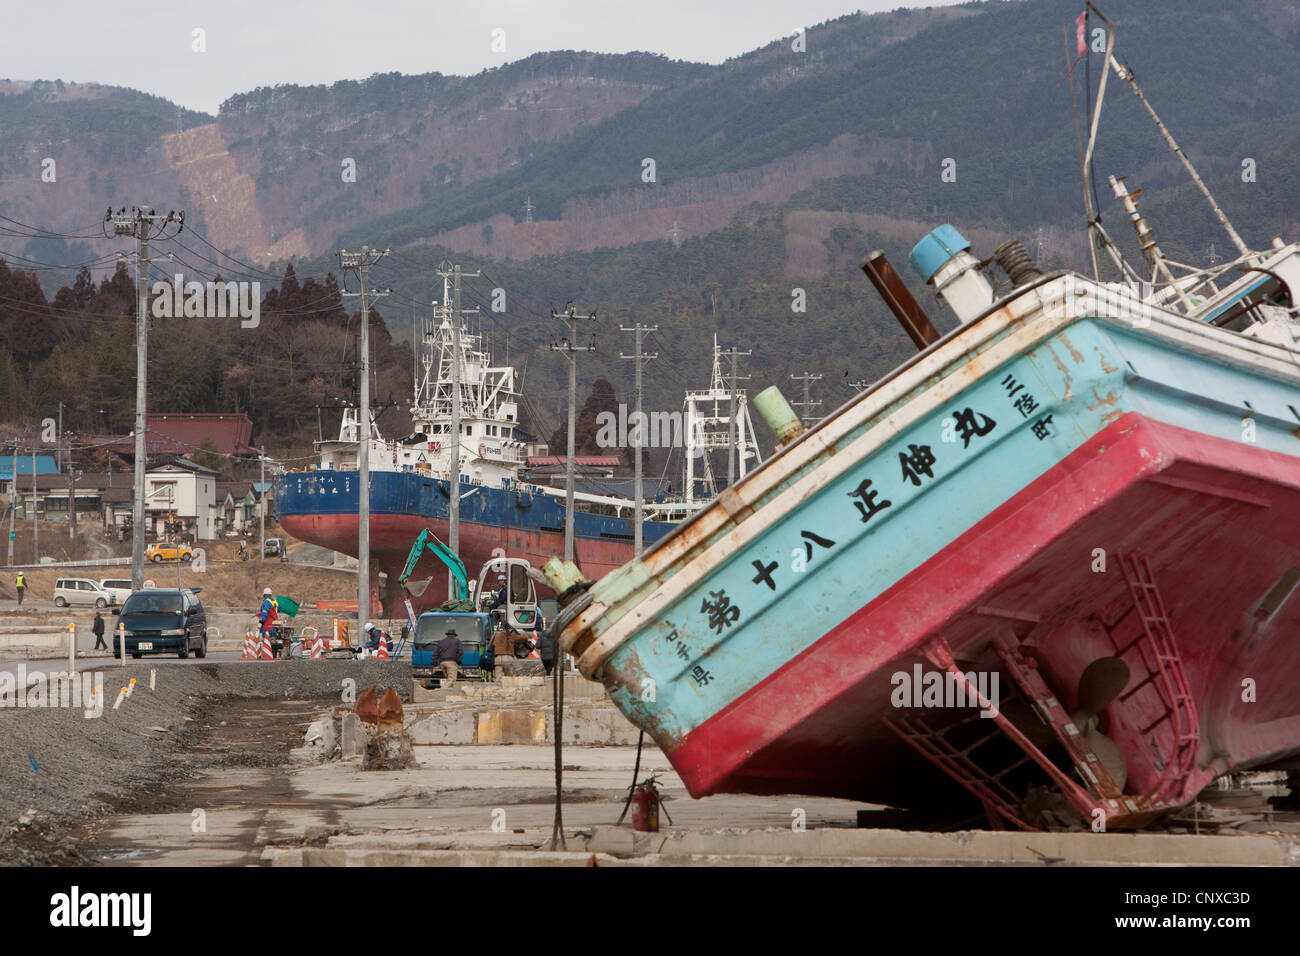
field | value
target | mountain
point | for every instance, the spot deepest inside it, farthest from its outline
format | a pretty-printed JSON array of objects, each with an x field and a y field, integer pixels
[{"x": 774, "y": 173}]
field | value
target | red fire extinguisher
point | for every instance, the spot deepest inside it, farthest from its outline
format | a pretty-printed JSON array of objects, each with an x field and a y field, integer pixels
[{"x": 645, "y": 806}]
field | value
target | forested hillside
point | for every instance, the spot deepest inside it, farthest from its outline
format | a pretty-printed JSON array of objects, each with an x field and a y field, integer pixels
[{"x": 774, "y": 174}]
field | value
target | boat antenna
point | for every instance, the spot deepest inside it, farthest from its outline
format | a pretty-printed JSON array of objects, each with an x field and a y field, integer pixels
[
  {"x": 1078, "y": 142},
  {"x": 1086, "y": 165},
  {"x": 1126, "y": 73}
]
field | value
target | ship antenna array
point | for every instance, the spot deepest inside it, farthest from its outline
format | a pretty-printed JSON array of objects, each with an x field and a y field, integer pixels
[{"x": 733, "y": 354}]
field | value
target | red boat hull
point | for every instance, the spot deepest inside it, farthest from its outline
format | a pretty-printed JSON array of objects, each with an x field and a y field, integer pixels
[{"x": 1220, "y": 521}]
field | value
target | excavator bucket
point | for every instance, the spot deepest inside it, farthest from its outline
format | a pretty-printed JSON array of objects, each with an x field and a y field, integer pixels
[{"x": 416, "y": 588}]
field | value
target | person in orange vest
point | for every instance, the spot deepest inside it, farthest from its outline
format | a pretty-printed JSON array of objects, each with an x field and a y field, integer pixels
[{"x": 266, "y": 615}]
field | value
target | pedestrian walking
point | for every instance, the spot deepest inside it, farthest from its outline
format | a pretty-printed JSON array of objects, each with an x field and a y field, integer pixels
[
  {"x": 98, "y": 628},
  {"x": 20, "y": 582},
  {"x": 546, "y": 646},
  {"x": 448, "y": 655}
]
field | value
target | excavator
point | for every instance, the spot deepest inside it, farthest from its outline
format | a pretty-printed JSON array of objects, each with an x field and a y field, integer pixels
[{"x": 469, "y": 613}]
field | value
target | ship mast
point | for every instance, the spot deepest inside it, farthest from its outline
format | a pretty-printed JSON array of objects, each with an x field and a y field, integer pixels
[
  {"x": 709, "y": 427},
  {"x": 454, "y": 274}
]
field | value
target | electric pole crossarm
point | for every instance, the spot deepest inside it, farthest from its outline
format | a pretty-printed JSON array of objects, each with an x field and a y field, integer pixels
[{"x": 807, "y": 404}]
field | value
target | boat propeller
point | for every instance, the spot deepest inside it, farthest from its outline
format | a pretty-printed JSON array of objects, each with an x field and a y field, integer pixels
[{"x": 1100, "y": 683}]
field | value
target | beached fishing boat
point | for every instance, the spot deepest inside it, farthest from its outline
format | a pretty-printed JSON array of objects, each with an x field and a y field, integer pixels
[{"x": 1053, "y": 558}]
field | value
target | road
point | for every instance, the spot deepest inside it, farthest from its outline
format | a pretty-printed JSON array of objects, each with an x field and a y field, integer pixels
[{"x": 102, "y": 661}]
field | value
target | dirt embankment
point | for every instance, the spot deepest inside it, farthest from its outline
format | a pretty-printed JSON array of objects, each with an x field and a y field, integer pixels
[{"x": 230, "y": 584}]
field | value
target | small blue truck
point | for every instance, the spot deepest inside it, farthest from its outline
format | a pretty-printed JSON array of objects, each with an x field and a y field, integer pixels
[{"x": 474, "y": 631}]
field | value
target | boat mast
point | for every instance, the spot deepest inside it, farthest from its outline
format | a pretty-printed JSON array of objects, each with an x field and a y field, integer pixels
[
  {"x": 1126, "y": 74},
  {"x": 453, "y": 463}
]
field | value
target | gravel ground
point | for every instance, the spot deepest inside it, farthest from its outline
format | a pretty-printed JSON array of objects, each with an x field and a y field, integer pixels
[{"x": 60, "y": 767}]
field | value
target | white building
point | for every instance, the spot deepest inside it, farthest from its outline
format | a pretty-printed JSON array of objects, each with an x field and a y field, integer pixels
[{"x": 186, "y": 490}]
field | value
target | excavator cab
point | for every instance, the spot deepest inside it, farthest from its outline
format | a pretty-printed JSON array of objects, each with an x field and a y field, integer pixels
[{"x": 519, "y": 608}]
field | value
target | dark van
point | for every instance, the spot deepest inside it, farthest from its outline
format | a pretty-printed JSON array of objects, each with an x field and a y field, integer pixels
[{"x": 163, "y": 621}]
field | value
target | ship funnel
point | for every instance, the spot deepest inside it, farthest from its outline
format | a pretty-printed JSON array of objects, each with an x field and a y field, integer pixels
[
  {"x": 778, "y": 414},
  {"x": 944, "y": 261}
]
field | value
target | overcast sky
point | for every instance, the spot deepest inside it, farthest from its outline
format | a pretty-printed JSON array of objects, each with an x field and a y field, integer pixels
[{"x": 251, "y": 43}]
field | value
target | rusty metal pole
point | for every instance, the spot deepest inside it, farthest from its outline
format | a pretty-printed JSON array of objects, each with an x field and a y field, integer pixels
[{"x": 906, "y": 309}]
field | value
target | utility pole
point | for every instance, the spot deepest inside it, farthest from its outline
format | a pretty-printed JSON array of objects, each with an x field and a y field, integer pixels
[
  {"x": 171, "y": 506},
  {"x": 571, "y": 349},
  {"x": 731, "y": 428},
  {"x": 13, "y": 506},
  {"x": 261, "y": 500},
  {"x": 58, "y": 451},
  {"x": 36, "y": 531},
  {"x": 639, "y": 358},
  {"x": 361, "y": 261},
  {"x": 453, "y": 467},
  {"x": 143, "y": 225},
  {"x": 72, "y": 498},
  {"x": 804, "y": 407}
]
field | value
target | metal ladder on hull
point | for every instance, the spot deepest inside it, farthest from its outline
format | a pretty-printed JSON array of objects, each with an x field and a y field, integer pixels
[
  {"x": 1159, "y": 657},
  {"x": 1098, "y": 797}
]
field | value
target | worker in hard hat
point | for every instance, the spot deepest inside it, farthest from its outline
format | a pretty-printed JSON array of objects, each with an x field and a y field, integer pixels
[
  {"x": 499, "y": 599},
  {"x": 375, "y": 636},
  {"x": 267, "y": 613}
]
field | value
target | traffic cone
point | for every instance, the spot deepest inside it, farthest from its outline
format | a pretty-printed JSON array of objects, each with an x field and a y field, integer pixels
[
  {"x": 536, "y": 653},
  {"x": 268, "y": 653},
  {"x": 250, "y": 648},
  {"x": 318, "y": 648},
  {"x": 381, "y": 649}
]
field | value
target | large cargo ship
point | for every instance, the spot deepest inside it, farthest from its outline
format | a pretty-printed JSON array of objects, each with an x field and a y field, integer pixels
[
  {"x": 410, "y": 486},
  {"x": 1053, "y": 559}
]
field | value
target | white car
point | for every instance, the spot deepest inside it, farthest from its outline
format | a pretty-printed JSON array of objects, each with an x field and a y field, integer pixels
[
  {"x": 120, "y": 588},
  {"x": 80, "y": 591}
]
